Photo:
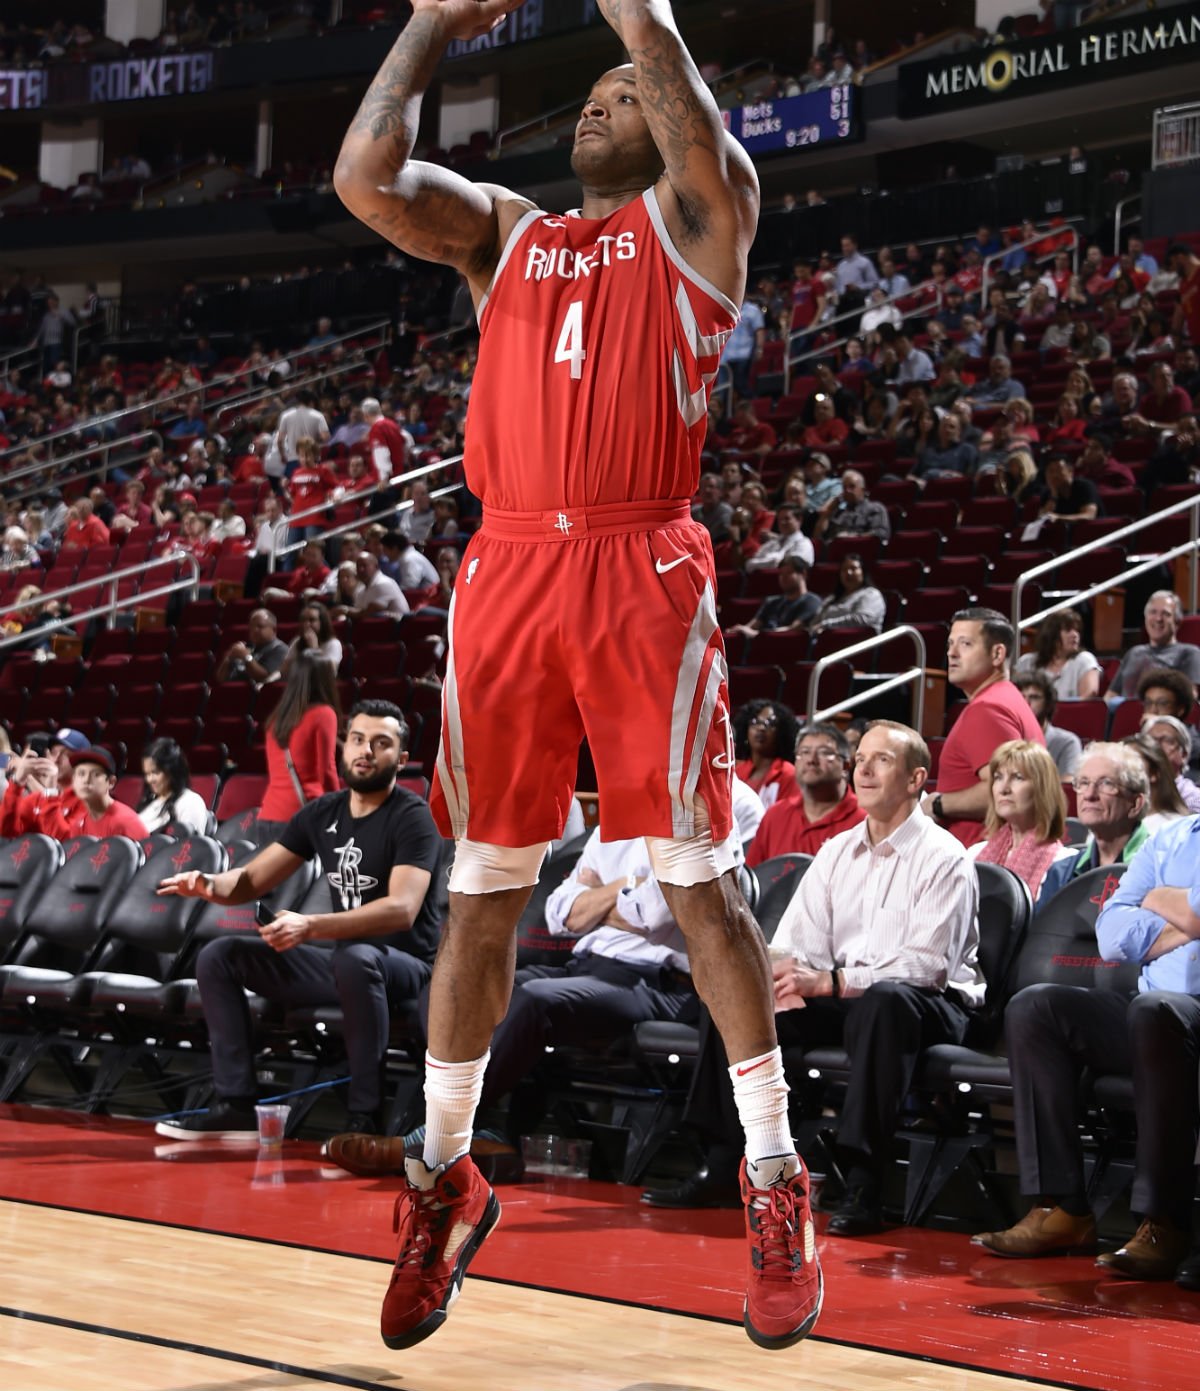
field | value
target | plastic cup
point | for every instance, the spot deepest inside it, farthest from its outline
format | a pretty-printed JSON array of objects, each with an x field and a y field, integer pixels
[
  {"x": 540, "y": 1153},
  {"x": 272, "y": 1122},
  {"x": 573, "y": 1158}
]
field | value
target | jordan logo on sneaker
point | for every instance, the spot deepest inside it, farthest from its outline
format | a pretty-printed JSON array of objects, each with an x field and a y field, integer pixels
[
  {"x": 662, "y": 569},
  {"x": 564, "y": 524}
]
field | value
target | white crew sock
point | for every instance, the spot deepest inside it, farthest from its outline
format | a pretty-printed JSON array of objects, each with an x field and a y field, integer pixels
[
  {"x": 451, "y": 1096},
  {"x": 761, "y": 1095}
]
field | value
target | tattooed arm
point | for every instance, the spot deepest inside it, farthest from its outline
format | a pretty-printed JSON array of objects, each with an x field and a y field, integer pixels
[
  {"x": 424, "y": 209},
  {"x": 712, "y": 204}
]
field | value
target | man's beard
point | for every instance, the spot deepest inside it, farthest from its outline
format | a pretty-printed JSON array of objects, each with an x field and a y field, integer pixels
[{"x": 378, "y": 781}]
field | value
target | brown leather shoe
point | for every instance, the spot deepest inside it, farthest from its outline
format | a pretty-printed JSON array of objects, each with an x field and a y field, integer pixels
[
  {"x": 1154, "y": 1252},
  {"x": 369, "y": 1156},
  {"x": 1043, "y": 1231},
  {"x": 379, "y": 1156}
]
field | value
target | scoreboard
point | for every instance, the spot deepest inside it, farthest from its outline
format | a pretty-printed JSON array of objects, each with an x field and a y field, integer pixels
[{"x": 827, "y": 116}]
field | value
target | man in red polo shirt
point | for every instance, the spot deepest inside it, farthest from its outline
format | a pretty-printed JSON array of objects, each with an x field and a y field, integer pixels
[
  {"x": 977, "y": 662},
  {"x": 822, "y": 806}
]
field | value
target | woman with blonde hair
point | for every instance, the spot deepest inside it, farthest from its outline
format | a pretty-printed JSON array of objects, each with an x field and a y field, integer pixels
[
  {"x": 1019, "y": 476},
  {"x": 1026, "y": 815}
]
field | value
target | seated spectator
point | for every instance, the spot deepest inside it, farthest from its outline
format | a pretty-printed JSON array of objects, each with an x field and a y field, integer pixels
[
  {"x": 1087, "y": 343},
  {"x": 376, "y": 593},
  {"x": 1162, "y": 616},
  {"x": 999, "y": 387},
  {"x": 86, "y": 808},
  {"x": 820, "y": 485},
  {"x": 880, "y": 310},
  {"x": 915, "y": 365},
  {"x": 1059, "y": 655},
  {"x": 748, "y": 434},
  {"x": 1096, "y": 465},
  {"x": 871, "y": 421},
  {"x": 854, "y": 603},
  {"x": 946, "y": 455},
  {"x": 1165, "y": 803},
  {"x": 84, "y": 529},
  {"x": 401, "y": 561},
  {"x": 766, "y": 730},
  {"x": 133, "y": 510},
  {"x": 258, "y": 659},
  {"x": 1019, "y": 414},
  {"x": 416, "y": 522},
  {"x": 17, "y": 553},
  {"x": 712, "y": 511},
  {"x": 167, "y": 802},
  {"x": 1070, "y": 499},
  {"x": 787, "y": 540},
  {"x": 791, "y": 610},
  {"x": 884, "y": 973},
  {"x": 977, "y": 662},
  {"x": 194, "y": 538},
  {"x": 1151, "y": 1034},
  {"x": 315, "y": 639},
  {"x": 949, "y": 385},
  {"x": 1175, "y": 740},
  {"x": 1064, "y": 746},
  {"x": 845, "y": 401},
  {"x": 827, "y": 428},
  {"x": 229, "y": 525},
  {"x": 1163, "y": 405},
  {"x": 1059, "y": 332},
  {"x": 1112, "y": 792},
  {"x": 822, "y": 805},
  {"x": 1118, "y": 408},
  {"x": 308, "y": 576},
  {"x": 1024, "y": 826},
  {"x": 853, "y": 514},
  {"x": 1177, "y": 459},
  {"x": 379, "y": 862}
]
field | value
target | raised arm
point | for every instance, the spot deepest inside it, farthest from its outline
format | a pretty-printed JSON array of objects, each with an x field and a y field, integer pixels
[
  {"x": 710, "y": 176},
  {"x": 426, "y": 210}
]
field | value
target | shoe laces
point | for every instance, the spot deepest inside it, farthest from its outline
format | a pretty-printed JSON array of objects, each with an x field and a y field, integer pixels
[
  {"x": 414, "y": 1215},
  {"x": 775, "y": 1229}
]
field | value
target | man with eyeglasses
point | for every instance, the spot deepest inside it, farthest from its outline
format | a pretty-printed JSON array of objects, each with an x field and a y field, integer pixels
[
  {"x": 822, "y": 805},
  {"x": 1151, "y": 1034}
]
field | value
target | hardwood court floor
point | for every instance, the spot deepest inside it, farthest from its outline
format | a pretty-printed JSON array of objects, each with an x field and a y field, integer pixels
[{"x": 146, "y": 1265}]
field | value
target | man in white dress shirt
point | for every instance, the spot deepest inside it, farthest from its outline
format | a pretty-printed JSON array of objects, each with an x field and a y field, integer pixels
[{"x": 877, "y": 951}]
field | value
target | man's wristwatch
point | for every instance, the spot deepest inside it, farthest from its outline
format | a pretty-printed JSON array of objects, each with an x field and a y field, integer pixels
[
  {"x": 836, "y": 984},
  {"x": 938, "y": 813}
]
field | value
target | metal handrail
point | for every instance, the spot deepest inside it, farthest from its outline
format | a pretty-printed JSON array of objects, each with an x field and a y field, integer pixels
[
  {"x": 46, "y": 465},
  {"x": 276, "y": 550},
  {"x": 1119, "y": 219},
  {"x": 109, "y": 610},
  {"x": 188, "y": 393},
  {"x": 1065, "y": 230},
  {"x": 1191, "y": 505},
  {"x": 914, "y": 674},
  {"x": 342, "y": 527}
]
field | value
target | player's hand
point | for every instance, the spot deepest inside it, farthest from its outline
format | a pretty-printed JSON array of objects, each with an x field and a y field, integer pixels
[
  {"x": 194, "y": 884},
  {"x": 286, "y": 930},
  {"x": 468, "y": 19}
]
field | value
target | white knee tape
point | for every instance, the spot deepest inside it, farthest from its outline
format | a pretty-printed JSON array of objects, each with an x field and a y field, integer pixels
[
  {"x": 695, "y": 860},
  {"x": 491, "y": 869}
]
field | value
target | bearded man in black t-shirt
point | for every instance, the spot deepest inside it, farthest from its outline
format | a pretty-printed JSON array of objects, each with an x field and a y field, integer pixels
[{"x": 378, "y": 849}]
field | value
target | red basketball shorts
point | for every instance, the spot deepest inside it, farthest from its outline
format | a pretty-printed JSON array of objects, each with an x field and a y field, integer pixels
[{"x": 596, "y": 621}]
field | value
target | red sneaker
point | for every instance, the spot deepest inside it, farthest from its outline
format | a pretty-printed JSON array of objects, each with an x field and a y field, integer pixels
[
  {"x": 443, "y": 1217},
  {"x": 785, "y": 1288}
]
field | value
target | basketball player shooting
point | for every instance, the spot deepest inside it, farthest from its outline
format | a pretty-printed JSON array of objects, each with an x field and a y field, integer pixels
[{"x": 585, "y": 604}]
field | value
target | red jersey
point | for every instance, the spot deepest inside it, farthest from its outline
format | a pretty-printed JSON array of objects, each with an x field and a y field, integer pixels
[
  {"x": 804, "y": 304},
  {"x": 598, "y": 348},
  {"x": 312, "y": 487}
]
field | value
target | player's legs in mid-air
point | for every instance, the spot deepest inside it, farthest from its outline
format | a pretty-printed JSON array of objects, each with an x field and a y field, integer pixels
[{"x": 612, "y": 634}]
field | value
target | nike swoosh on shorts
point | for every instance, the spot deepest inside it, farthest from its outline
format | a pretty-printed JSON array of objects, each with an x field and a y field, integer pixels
[{"x": 662, "y": 569}]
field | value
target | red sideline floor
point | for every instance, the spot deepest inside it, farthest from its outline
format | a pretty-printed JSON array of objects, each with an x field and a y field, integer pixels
[{"x": 922, "y": 1293}]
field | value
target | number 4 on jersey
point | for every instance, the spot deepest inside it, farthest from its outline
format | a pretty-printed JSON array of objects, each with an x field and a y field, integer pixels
[{"x": 570, "y": 340}]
